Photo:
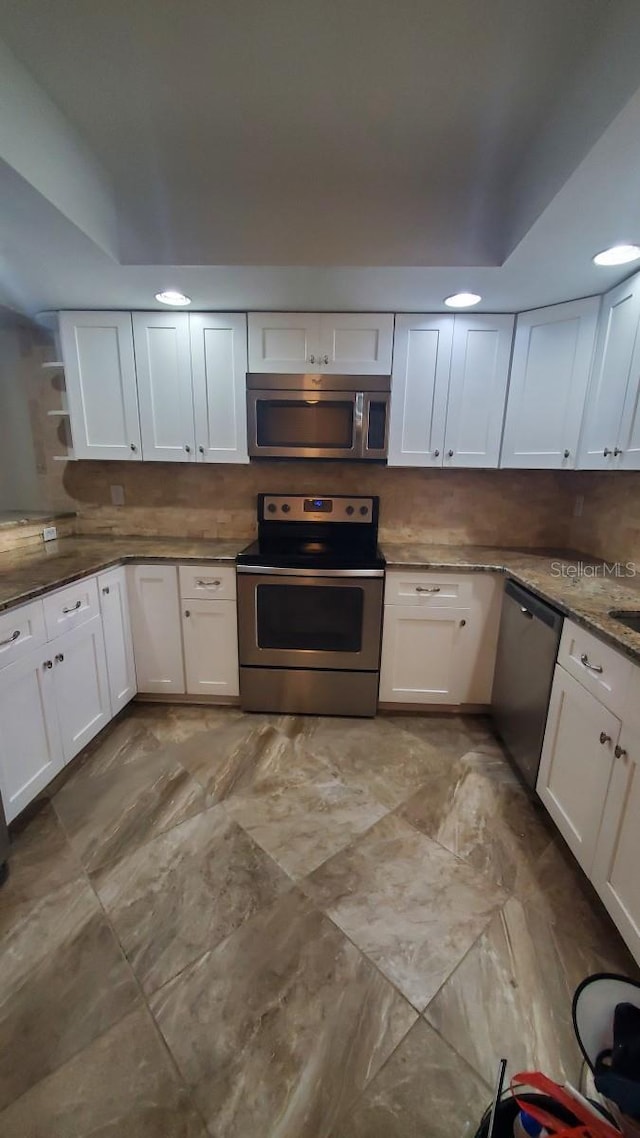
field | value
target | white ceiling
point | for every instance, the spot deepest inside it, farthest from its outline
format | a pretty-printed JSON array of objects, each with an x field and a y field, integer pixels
[{"x": 284, "y": 153}]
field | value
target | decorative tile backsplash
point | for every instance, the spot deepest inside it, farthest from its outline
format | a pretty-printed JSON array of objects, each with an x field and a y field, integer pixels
[
  {"x": 609, "y": 526},
  {"x": 515, "y": 508}
]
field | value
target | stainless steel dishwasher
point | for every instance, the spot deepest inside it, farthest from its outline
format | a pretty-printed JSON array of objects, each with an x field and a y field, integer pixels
[{"x": 527, "y": 649}]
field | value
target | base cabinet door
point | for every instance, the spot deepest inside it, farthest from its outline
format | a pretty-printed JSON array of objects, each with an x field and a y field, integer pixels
[
  {"x": 576, "y": 764},
  {"x": 423, "y": 655},
  {"x": 615, "y": 865},
  {"x": 81, "y": 685},
  {"x": 155, "y": 623},
  {"x": 118, "y": 641},
  {"x": 30, "y": 748},
  {"x": 210, "y": 636}
]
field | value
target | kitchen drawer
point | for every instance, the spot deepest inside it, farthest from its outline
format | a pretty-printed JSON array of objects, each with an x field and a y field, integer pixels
[
  {"x": 599, "y": 668},
  {"x": 68, "y": 608},
  {"x": 433, "y": 589},
  {"x": 213, "y": 581},
  {"x": 21, "y": 629}
]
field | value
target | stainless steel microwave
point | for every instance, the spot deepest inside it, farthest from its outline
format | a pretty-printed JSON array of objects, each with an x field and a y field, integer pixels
[{"x": 318, "y": 416}]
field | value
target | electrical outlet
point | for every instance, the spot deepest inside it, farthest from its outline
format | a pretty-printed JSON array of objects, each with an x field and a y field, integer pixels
[
  {"x": 578, "y": 506},
  {"x": 117, "y": 495},
  {"x": 49, "y": 533}
]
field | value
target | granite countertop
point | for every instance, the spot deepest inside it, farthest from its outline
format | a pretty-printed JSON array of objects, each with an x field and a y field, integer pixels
[
  {"x": 28, "y": 572},
  {"x": 581, "y": 587}
]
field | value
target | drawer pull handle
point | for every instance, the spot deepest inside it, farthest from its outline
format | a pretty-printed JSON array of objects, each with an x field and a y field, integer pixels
[
  {"x": 60, "y": 658},
  {"x": 208, "y": 582},
  {"x": 604, "y": 738},
  {"x": 74, "y": 608},
  {"x": 14, "y": 636},
  {"x": 427, "y": 588},
  {"x": 619, "y": 752},
  {"x": 584, "y": 660}
]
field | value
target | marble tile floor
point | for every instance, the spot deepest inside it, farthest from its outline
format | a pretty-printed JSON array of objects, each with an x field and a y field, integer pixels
[{"x": 239, "y": 926}]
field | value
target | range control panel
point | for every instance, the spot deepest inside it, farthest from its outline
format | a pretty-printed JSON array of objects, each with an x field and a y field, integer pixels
[{"x": 298, "y": 508}]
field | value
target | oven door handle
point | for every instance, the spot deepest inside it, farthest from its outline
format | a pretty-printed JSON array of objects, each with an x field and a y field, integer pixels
[{"x": 278, "y": 571}]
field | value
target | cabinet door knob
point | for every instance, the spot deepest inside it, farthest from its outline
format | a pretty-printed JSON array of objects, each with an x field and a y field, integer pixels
[
  {"x": 312, "y": 359},
  {"x": 617, "y": 451},
  {"x": 187, "y": 612},
  {"x": 450, "y": 454},
  {"x": 106, "y": 590},
  {"x": 462, "y": 623},
  {"x": 604, "y": 738},
  {"x": 188, "y": 449},
  {"x": 133, "y": 447},
  {"x": 437, "y": 453},
  {"x": 47, "y": 664},
  {"x": 619, "y": 751},
  {"x": 566, "y": 454},
  {"x": 606, "y": 452},
  {"x": 325, "y": 359},
  {"x": 59, "y": 658},
  {"x": 201, "y": 449}
]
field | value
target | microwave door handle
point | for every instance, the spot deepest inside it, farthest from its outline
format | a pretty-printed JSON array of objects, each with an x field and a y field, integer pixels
[{"x": 359, "y": 441}]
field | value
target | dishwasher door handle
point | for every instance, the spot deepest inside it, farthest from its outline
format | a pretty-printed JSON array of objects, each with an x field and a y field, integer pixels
[{"x": 526, "y": 612}]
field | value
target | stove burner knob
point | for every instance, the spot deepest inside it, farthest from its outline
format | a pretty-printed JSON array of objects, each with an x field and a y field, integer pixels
[
  {"x": 364, "y": 510},
  {"x": 271, "y": 507},
  {"x": 349, "y": 510},
  {"x": 286, "y": 507}
]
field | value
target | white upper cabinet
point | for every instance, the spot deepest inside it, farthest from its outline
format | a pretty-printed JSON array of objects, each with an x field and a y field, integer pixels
[
  {"x": 611, "y": 432},
  {"x": 163, "y": 361},
  {"x": 353, "y": 342},
  {"x": 356, "y": 343},
  {"x": 284, "y": 341},
  {"x": 477, "y": 389},
  {"x": 419, "y": 390},
  {"x": 100, "y": 377},
  {"x": 219, "y": 368},
  {"x": 552, "y": 355}
]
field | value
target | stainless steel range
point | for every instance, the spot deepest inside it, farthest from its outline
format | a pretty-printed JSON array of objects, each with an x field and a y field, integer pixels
[{"x": 310, "y": 593}]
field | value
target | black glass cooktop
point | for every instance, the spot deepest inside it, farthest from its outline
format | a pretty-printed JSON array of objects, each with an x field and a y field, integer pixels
[{"x": 311, "y": 553}]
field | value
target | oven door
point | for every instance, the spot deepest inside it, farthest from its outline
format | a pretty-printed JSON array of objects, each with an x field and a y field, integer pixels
[
  {"x": 304, "y": 424},
  {"x": 298, "y": 618}
]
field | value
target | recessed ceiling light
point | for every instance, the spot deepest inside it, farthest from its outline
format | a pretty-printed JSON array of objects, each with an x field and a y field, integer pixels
[
  {"x": 617, "y": 255},
  {"x": 462, "y": 300},
  {"x": 170, "y": 296}
]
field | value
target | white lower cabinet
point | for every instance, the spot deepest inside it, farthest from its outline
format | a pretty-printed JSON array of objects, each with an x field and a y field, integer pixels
[
  {"x": 30, "y": 748},
  {"x": 615, "y": 865},
  {"x": 81, "y": 685},
  {"x": 575, "y": 767},
  {"x": 210, "y": 637},
  {"x": 439, "y": 638},
  {"x": 589, "y": 777},
  {"x": 155, "y": 624},
  {"x": 118, "y": 641}
]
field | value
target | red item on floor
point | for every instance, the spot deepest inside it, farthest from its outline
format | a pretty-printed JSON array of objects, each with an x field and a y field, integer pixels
[{"x": 588, "y": 1124}]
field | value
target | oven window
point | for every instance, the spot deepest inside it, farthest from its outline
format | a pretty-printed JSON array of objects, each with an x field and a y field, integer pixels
[
  {"x": 316, "y": 618},
  {"x": 305, "y": 423}
]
